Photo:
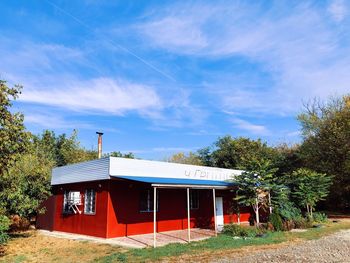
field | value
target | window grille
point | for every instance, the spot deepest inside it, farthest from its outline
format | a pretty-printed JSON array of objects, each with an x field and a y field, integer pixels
[
  {"x": 90, "y": 201},
  {"x": 146, "y": 200},
  {"x": 194, "y": 199}
]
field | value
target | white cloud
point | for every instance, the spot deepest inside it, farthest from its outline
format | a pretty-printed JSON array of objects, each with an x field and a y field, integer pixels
[
  {"x": 101, "y": 95},
  {"x": 48, "y": 121},
  {"x": 338, "y": 10},
  {"x": 174, "y": 32},
  {"x": 302, "y": 54},
  {"x": 249, "y": 127}
]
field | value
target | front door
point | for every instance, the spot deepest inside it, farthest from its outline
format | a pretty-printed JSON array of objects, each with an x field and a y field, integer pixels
[{"x": 219, "y": 213}]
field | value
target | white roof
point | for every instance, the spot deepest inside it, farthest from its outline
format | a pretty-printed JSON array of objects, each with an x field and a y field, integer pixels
[{"x": 104, "y": 168}]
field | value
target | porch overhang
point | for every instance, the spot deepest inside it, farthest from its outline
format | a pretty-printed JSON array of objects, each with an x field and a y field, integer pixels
[{"x": 162, "y": 182}]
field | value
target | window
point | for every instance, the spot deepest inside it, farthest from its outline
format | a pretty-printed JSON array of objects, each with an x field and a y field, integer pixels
[
  {"x": 71, "y": 201},
  {"x": 194, "y": 199},
  {"x": 90, "y": 202},
  {"x": 146, "y": 200},
  {"x": 66, "y": 209}
]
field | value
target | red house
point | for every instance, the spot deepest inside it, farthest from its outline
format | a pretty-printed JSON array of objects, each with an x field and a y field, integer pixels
[{"x": 114, "y": 197}]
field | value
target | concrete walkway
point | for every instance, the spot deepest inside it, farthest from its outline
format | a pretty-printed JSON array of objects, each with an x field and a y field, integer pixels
[{"x": 138, "y": 241}]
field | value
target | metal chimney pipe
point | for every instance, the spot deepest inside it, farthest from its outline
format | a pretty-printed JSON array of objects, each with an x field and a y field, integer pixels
[{"x": 99, "y": 149}]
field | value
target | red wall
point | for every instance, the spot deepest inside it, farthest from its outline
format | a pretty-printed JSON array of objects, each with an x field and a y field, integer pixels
[{"x": 117, "y": 210}]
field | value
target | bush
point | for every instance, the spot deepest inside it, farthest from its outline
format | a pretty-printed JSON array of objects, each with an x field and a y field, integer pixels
[
  {"x": 237, "y": 230},
  {"x": 320, "y": 217},
  {"x": 276, "y": 220},
  {"x": 288, "y": 211},
  {"x": 302, "y": 223},
  {"x": 4, "y": 227}
]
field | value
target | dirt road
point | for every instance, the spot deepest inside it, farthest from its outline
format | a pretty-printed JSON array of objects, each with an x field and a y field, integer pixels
[{"x": 333, "y": 248}]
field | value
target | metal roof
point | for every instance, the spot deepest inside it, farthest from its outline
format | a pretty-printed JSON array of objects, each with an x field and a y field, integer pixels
[{"x": 178, "y": 182}]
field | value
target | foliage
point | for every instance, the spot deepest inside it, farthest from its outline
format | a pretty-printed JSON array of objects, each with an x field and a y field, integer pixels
[
  {"x": 241, "y": 231},
  {"x": 62, "y": 149},
  {"x": 309, "y": 187},
  {"x": 14, "y": 138},
  {"x": 129, "y": 155},
  {"x": 320, "y": 217},
  {"x": 181, "y": 157},
  {"x": 276, "y": 220},
  {"x": 254, "y": 185},
  {"x": 302, "y": 222},
  {"x": 236, "y": 153},
  {"x": 288, "y": 211},
  {"x": 4, "y": 226},
  {"x": 326, "y": 146}
]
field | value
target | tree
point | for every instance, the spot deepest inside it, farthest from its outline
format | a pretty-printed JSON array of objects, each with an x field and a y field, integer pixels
[
  {"x": 254, "y": 186},
  {"x": 309, "y": 187},
  {"x": 236, "y": 153},
  {"x": 128, "y": 155},
  {"x": 27, "y": 183},
  {"x": 181, "y": 157},
  {"x": 326, "y": 145},
  {"x": 13, "y": 138}
]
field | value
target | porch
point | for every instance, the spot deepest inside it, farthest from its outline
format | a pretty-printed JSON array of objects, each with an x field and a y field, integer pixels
[{"x": 139, "y": 241}]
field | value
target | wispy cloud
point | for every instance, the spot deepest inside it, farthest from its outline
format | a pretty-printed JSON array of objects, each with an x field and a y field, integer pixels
[
  {"x": 296, "y": 46},
  {"x": 102, "y": 95},
  {"x": 249, "y": 127},
  {"x": 54, "y": 121},
  {"x": 338, "y": 10}
]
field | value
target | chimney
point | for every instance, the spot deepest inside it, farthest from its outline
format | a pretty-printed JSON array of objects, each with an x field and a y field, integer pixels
[{"x": 99, "y": 149}]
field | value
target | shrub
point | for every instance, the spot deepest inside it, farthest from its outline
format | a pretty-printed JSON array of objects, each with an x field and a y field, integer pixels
[
  {"x": 237, "y": 230},
  {"x": 320, "y": 217},
  {"x": 4, "y": 227},
  {"x": 288, "y": 225},
  {"x": 19, "y": 223},
  {"x": 302, "y": 223},
  {"x": 288, "y": 211},
  {"x": 276, "y": 220}
]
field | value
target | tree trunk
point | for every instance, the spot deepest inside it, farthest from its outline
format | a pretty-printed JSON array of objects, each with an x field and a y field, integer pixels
[
  {"x": 311, "y": 211},
  {"x": 257, "y": 212},
  {"x": 270, "y": 203}
]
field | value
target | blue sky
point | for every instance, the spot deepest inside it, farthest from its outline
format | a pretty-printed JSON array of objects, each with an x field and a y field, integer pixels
[{"x": 160, "y": 77}]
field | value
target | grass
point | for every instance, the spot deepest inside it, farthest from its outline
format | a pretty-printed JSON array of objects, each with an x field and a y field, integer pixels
[
  {"x": 221, "y": 243},
  {"x": 34, "y": 248}
]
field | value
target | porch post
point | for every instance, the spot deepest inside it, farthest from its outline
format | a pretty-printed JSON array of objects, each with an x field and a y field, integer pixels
[
  {"x": 214, "y": 205},
  {"x": 188, "y": 215},
  {"x": 154, "y": 215}
]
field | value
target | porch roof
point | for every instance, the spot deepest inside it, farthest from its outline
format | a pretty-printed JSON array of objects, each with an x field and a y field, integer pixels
[{"x": 178, "y": 182}]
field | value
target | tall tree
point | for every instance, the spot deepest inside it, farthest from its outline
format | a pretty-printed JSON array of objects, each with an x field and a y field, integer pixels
[
  {"x": 190, "y": 158},
  {"x": 236, "y": 153},
  {"x": 13, "y": 137},
  {"x": 254, "y": 186},
  {"x": 326, "y": 146},
  {"x": 309, "y": 187}
]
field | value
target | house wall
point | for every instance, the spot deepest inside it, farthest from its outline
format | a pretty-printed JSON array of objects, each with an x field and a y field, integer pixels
[
  {"x": 118, "y": 210},
  {"x": 125, "y": 218}
]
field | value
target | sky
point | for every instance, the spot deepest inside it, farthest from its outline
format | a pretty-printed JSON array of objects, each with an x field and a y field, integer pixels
[{"x": 159, "y": 77}]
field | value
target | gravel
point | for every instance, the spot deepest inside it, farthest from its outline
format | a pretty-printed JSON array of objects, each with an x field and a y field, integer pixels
[{"x": 333, "y": 248}]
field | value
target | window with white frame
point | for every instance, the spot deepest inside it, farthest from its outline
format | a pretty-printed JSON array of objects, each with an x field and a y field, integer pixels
[
  {"x": 71, "y": 201},
  {"x": 90, "y": 202},
  {"x": 194, "y": 199},
  {"x": 147, "y": 200}
]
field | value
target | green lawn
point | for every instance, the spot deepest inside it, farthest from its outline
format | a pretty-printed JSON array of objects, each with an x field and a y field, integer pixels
[{"x": 219, "y": 243}]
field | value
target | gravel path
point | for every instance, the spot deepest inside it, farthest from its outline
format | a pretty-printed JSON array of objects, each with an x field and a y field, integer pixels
[{"x": 333, "y": 248}]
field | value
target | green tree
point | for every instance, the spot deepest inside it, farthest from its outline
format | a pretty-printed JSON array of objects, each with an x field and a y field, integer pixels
[
  {"x": 236, "y": 153},
  {"x": 309, "y": 187},
  {"x": 190, "y": 158},
  {"x": 254, "y": 186},
  {"x": 13, "y": 139},
  {"x": 326, "y": 145},
  {"x": 128, "y": 155},
  {"x": 13, "y": 136}
]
